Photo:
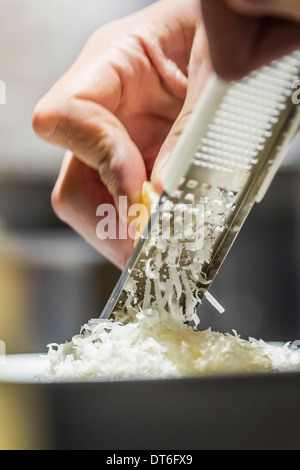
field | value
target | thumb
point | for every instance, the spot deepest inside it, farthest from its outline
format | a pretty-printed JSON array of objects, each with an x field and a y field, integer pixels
[
  {"x": 168, "y": 147},
  {"x": 199, "y": 71}
]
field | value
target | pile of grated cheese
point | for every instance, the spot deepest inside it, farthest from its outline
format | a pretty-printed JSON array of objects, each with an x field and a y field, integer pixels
[
  {"x": 158, "y": 345},
  {"x": 152, "y": 339}
]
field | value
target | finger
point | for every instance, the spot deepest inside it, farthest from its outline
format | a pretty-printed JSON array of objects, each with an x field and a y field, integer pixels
[
  {"x": 289, "y": 9},
  {"x": 76, "y": 197},
  {"x": 199, "y": 71},
  {"x": 78, "y": 114},
  {"x": 98, "y": 139},
  {"x": 241, "y": 43}
]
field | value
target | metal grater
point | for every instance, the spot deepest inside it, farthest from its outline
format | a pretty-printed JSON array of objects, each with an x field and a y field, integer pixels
[{"x": 224, "y": 162}]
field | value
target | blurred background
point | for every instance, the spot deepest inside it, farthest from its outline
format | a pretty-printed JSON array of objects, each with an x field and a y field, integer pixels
[{"x": 51, "y": 282}]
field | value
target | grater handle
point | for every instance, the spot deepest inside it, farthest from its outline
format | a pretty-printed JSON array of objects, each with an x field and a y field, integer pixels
[{"x": 180, "y": 160}]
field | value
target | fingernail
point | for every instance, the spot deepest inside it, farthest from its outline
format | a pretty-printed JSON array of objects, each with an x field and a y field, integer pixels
[
  {"x": 163, "y": 160},
  {"x": 157, "y": 174}
]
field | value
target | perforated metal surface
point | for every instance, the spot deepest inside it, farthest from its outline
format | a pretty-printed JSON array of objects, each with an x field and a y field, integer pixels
[{"x": 232, "y": 167}]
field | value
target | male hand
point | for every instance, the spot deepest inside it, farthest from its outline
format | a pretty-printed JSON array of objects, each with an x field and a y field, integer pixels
[{"x": 119, "y": 111}]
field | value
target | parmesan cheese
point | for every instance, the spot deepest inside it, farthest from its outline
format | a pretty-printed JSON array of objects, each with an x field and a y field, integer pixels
[
  {"x": 160, "y": 338},
  {"x": 157, "y": 345}
]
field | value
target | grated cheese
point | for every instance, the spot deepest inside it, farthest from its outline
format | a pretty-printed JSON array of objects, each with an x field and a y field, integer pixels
[
  {"x": 158, "y": 345},
  {"x": 214, "y": 302},
  {"x": 159, "y": 338}
]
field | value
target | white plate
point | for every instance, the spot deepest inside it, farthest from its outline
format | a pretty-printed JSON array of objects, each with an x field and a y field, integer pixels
[{"x": 22, "y": 368}]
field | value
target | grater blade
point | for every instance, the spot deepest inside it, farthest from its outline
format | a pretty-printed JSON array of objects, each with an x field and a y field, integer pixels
[{"x": 224, "y": 162}]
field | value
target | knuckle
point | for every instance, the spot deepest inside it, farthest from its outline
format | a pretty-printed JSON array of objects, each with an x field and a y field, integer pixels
[
  {"x": 61, "y": 202},
  {"x": 39, "y": 119},
  {"x": 43, "y": 120},
  {"x": 47, "y": 118},
  {"x": 111, "y": 169}
]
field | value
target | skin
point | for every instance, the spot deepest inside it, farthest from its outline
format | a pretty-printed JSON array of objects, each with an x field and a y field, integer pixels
[
  {"x": 119, "y": 110},
  {"x": 121, "y": 107},
  {"x": 246, "y": 34}
]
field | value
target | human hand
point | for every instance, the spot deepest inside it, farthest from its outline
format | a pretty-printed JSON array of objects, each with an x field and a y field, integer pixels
[
  {"x": 246, "y": 34},
  {"x": 119, "y": 111}
]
